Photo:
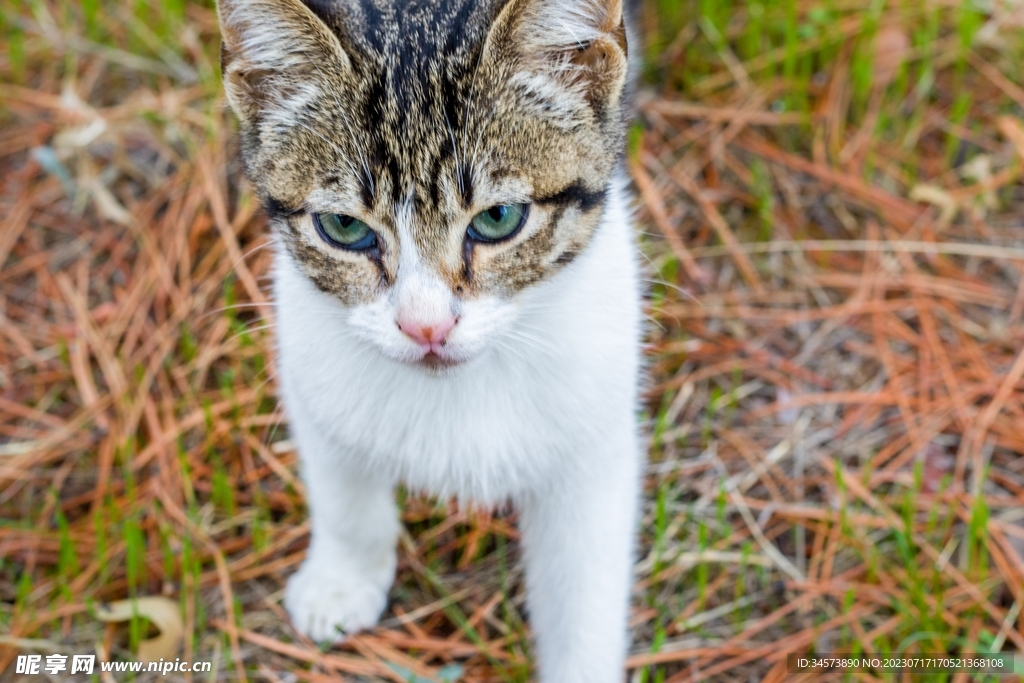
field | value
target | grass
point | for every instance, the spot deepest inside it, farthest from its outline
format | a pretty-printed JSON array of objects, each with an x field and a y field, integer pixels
[{"x": 830, "y": 197}]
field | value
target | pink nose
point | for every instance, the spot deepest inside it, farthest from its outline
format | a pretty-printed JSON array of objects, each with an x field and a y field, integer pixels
[{"x": 427, "y": 334}]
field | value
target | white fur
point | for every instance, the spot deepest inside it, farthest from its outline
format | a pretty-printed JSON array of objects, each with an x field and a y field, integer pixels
[
  {"x": 569, "y": 23},
  {"x": 541, "y": 412}
]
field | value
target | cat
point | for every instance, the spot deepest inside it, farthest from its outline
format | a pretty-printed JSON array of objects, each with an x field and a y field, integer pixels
[{"x": 457, "y": 289}]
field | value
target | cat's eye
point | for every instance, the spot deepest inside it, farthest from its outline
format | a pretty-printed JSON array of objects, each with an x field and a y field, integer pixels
[
  {"x": 344, "y": 232},
  {"x": 497, "y": 223}
]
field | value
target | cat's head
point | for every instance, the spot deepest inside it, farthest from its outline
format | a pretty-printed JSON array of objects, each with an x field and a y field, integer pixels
[{"x": 426, "y": 161}]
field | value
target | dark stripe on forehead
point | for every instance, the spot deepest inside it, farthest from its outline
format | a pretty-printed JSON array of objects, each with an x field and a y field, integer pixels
[
  {"x": 577, "y": 193},
  {"x": 395, "y": 172},
  {"x": 366, "y": 189},
  {"x": 374, "y": 110},
  {"x": 466, "y": 187},
  {"x": 457, "y": 29},
  {"x": 435, "y": 187},
  {"x": 453, "y": 98},
  {"x": 375, "y": 25}
]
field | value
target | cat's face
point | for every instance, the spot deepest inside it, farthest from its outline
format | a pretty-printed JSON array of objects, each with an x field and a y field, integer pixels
[{"x": 425, "y": 162}]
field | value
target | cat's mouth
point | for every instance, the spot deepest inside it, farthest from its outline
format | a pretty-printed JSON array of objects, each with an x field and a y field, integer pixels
[{"x": 436, "y": 361}]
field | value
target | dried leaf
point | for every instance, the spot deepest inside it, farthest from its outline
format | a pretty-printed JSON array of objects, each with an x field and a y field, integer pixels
[
  {"x": 932, "y": 194},
  {"x": 80, "y": 136},
  {"x": 163, "y": 613},
  {"x": 107, "y": 204}
]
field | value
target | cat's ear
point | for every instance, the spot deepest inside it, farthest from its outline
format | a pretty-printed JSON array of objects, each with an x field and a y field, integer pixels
[
  {"x": 579, "y": 45},
  {"x": 276, "y": 57}
]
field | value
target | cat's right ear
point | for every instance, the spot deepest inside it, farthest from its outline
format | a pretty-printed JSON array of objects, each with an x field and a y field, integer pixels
[
  {"x": 569, "y": 50},
  {"x": 276, "y": 56}
]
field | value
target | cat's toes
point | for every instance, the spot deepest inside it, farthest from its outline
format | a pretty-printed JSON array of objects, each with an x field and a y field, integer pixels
[{"x": 328, "y": 607}]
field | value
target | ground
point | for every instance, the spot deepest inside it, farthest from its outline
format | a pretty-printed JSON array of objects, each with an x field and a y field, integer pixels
[{"x": 830, "y": 203}]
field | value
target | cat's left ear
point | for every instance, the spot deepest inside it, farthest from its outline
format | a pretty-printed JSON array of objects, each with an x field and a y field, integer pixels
[
  {"x": 276, "y": 57},
  {"x": 578, "y": 46}
]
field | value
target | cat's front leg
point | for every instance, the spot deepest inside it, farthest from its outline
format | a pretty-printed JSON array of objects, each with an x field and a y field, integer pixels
[
  {"x": 342, "y": 586},
  {"x": 578, "y": 547}
]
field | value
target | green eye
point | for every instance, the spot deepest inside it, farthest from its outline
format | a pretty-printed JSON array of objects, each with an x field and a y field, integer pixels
[
  {"x": 345, "y": 232},
  {"x": 497, "y": 223}
]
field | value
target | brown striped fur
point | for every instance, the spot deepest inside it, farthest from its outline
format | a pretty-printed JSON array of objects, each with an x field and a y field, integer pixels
[{"x": 428, "y": 112}]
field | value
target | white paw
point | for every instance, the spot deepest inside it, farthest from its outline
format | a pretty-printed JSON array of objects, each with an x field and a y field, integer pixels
[{"x": 329, "y": 606}]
